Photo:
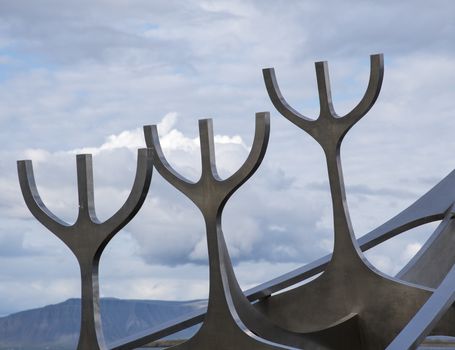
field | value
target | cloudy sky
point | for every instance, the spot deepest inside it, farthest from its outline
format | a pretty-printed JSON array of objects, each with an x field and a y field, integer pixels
[{"x": 85, "y": 76}]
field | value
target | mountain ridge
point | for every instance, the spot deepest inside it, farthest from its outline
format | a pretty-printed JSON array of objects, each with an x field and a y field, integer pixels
[{"x": 56, "y": 326}]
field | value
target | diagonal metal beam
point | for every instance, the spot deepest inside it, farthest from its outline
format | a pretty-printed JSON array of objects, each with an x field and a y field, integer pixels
[
  {"x": 434, "y": 260},
  {"x": 427, "y": 317}
]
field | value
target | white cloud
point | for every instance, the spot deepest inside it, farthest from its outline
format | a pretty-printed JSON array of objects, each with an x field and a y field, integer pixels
[
  {"x": 131, "y": 139},
  {"x": 410, "y": 250},
  {"x": 171, "y": 139},
  {"x": 38, "y": 155},
  {"x": 166, "y": 124},
  {"x": 223, "y": 139}
]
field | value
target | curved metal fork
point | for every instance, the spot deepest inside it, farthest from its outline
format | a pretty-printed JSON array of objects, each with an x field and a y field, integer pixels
[
  {"x": 87, "y": 237},
  {"x": 229, "y": 311},
  {"x": 209, "y": 171},
  {"x": 315, "y": 127}
]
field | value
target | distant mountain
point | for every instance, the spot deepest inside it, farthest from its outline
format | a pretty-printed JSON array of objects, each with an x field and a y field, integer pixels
[{"x": 56, "y": 327}]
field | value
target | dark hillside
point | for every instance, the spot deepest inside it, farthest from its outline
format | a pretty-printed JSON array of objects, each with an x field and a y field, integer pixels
[{"x": 57, "y": 326}]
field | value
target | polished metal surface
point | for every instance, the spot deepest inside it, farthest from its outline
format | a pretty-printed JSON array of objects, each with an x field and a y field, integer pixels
[{"x": 88, "y": 237}]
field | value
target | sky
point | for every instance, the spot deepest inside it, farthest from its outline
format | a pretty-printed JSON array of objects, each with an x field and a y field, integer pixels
[{"x": 85, "y": 76}]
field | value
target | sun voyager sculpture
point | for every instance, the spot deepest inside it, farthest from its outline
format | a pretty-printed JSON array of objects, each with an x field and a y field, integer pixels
[{"x": 350, "y": 305}]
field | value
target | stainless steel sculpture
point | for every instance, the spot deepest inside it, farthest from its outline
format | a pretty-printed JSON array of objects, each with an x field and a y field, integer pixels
[
  {"x": 88, "y": 237},
  {"x": 351, "y": 305}
]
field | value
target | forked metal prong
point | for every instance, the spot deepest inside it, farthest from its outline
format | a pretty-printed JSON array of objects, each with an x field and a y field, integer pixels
[
  {"x": 136, "y": 198},
  {"x": 257, "y": 152},
  {"x": 325, "y": 94},
  {"x": 34, "y": 201},
  {"x": 207, "y": 147},
  {"x": 162, "y": 165},
  {"x": 85, "y": 186}
]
